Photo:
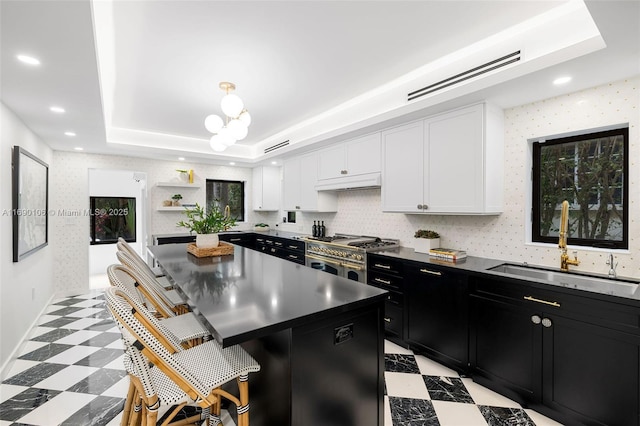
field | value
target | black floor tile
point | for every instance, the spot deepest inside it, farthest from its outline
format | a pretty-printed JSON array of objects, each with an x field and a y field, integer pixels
[
  {"x": 66, "y": 311},
  {"x": 59, "y": 322},
  {"x": 447, "y": 389},
  {"x": 400, "y": 363},
  {"x": 102, "y": 340},
  {"x": 21, "y": 404},
  {"x": 35, "y": 374},
  {"x": 98, "y": 412},
  {"x": 412, "y": 412},
  {"x": 98, "y": 382},
  {"x": 54, "y": 335},
  {"x": 100, "y": 358},
  {"x": 45, "y": 352},
  {"x": 500, "y": 416}
]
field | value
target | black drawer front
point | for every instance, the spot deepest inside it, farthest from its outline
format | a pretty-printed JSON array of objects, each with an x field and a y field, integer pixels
[
  {"x": 395, "y": 298},
  {"x": 385, "y": 281},
  {"x": 293, "y": 256},
  {"x": 384, "y": 264},
  {"x": 393, "y": 318},
  {"x": 294, "y": 245}
]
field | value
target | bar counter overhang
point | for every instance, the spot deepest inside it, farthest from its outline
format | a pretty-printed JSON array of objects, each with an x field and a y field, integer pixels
[{"x": 318, "y": 338}]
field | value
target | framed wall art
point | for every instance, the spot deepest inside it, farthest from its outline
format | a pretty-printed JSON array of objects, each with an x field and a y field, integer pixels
[{"x": 30, "y": 203}]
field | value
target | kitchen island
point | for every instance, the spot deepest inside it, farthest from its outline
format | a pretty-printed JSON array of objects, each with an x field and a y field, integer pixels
[{"x": 318, "y": 338}]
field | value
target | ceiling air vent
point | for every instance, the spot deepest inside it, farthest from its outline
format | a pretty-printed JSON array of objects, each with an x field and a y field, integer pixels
[
  {"x": 276, "y": 146},
  {"x": 466, "y": 75}
]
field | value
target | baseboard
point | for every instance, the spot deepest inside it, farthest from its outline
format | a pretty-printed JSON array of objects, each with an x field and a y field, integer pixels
[{"x": 6, "y": 367}]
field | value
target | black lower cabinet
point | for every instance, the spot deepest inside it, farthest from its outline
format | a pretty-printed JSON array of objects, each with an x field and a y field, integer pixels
[
  {"x": 243, "y": 239},
  {"x": 284, "y": 248},
  {"x": 438, "y": 314},
  {"x": 572, "y": 358}
]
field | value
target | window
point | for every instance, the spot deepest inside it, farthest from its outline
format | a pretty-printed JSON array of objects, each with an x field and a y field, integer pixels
[
  {"x": 591, "y": 172},
  {"x": 222, "y": 193},
  {"x": 112, "y": 217}
]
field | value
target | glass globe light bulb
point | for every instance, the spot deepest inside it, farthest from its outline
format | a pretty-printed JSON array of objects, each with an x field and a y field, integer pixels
[
  {"x": 237, "y": 129},
  {"x": 231, "y": 105},
  {"x": 226, "y": 137},
  {"x": 213, "y": 123},
  {"x": 216, "y": 144},
  {"x": 245, "y": 117}
]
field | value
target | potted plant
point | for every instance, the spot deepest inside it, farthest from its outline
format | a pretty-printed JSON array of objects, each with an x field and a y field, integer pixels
[
  {"x": 426, "y": 240},
  {"x": 206, "y": 225},
  {"x": 176, "y": 199},
  {"x": 261, "y": 227}
]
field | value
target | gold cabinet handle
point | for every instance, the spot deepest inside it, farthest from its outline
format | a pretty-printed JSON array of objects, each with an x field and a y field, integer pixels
[
  {"x": 533, "y": 299},
  {"x": 235, "y": 239},
  {"x": 380, "y": 280},
  {"x": 387, "y": 319},
  {"x": 426, "y": 271},
  {"x": 379, "y": 265},
  {"x": 291, "y": 256},
  {"x": 293, "y": 247}
]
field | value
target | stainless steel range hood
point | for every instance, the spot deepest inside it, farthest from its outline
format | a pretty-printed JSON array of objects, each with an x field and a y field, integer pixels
[{"x": 370, "y": 180}]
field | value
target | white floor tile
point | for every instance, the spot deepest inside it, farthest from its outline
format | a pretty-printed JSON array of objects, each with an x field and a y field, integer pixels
[
  {"x": 226, "y": 418},
  {"x": 20, "y": 365},
  {"x": 116, "y": 364},
  {"x": 30, "y": 346},
  {"x": 392, "y": 348},
  {"x": 73, "y": 355},
  {"x": 78, "y": 337},
  {"x": 58, "y": 409},
  {"x": 9, "y": 391},
  {"x": 484, "y": 396},
  {"x": 66, "y": 378},
  {"x": 458, "y": 414},
  {"x": 541, "y": 420},
  {"x": 115, "y": 329},
  {"x": 83, "y": 323},
  {"x": 85, "y": 312},
  {"x": 3, "y": 423},
  {"x": 406, "y": 385},
  {"x": 387, "y": 412},
  {"x": 53, "y": 307},
  {"x": 432, "y": 368},
  {"x": 119, "y": 390},
  {"x": 116, "y": 344}
]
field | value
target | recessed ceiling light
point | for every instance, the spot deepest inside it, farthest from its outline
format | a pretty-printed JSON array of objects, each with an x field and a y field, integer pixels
[
  {"x": 181, "y": 158},
  {"x": 79, "y": 148},
  {"x": 30, "y": 60},
  {"x": 561, "y": 80},
  {"x": 274, "y": 162},
  {"x": 232, "y": 163},
  {"x": 70, "y": 133},
  {"x": 57, "y": 109}
]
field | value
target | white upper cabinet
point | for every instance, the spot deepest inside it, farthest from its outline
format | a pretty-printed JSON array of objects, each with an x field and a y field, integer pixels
[
  {"x": 352, "y": 164},
  {"x": 451, "y": 163},
  {"x": 300, "y": 177},
  {"x": 266, "y": 188}
]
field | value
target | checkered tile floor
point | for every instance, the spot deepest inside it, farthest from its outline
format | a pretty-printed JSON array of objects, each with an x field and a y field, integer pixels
[{"x": 71, "y": 372}]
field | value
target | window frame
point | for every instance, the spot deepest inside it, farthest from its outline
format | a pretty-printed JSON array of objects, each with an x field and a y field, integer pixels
[
  {"x": 537, "y": 145},
  {"x": 243, "y": 189},
  {"x": 96, "y": 211}
]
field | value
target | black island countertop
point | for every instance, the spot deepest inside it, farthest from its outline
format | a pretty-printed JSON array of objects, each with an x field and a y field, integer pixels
[{"x": 249, "y": 295}]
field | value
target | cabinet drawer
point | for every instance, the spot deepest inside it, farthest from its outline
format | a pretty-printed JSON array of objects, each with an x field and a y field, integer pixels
[
  {"x": 293, "y": 256},
  {"x": 385, "y": 281},
  {"x": 393, "y": 318},
  {"x": 395, "y": 298},
  {"x": 294, "y": 245},
  {"x": 384, "y": 264}
]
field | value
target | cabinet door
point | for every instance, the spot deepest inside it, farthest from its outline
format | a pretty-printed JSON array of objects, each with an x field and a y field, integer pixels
[
  {"x": 363, "y": 155},
  {"x": 291, "y": 184},
  {"x": 437, "y": 317},
  {"x": 402, "y": 168},
  {"x": 454, "y": 165},
  {"x": 505, "y": 349},
  {"x": 331, "y": 162},
  {"x": 590, "y": 371},
  {"x": 266, "y": 188},
  {"x": 308, "y": 181}
]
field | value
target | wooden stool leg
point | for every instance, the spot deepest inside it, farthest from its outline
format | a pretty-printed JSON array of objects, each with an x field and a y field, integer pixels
[{"x": 243, "y": 409}]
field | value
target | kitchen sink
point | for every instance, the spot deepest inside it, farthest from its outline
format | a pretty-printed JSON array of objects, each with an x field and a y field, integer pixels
[{"x": 571, "y": 280}]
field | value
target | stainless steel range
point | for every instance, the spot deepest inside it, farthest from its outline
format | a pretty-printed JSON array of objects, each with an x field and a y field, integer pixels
[{"x": 344, "y": 255}]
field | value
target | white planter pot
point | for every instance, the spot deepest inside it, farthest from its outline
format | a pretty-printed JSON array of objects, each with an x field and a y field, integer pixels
[
  {"x": 207, "y": 240},
  {"x": 423, "y": 245}
]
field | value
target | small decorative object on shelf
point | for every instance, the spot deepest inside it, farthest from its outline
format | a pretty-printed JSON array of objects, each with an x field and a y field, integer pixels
[
  {"x": 186, "y": 175},
  {"x": 426, "y": 240},
  {"x": 167, "y": 203},
  {"x": 206, "y": 225},
  {"x": 261, "y": 227},
  {"x": 176, "y": 199}
]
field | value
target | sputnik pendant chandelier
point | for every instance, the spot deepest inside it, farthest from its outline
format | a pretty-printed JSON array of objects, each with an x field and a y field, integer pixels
[{"x": 234, "y": 127}]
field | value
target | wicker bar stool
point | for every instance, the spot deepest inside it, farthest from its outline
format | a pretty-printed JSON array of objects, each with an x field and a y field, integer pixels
[
  {"x": 199, "y": 372},
  {"x": 185, "y": 327},
  {"x": 156, "y": 273},
  {"x": 151, "y": 286}
]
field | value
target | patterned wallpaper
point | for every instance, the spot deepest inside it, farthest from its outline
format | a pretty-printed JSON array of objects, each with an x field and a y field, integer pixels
[
  {"x": 500, "y": 237},
  {"x": 505, "y": 236}
]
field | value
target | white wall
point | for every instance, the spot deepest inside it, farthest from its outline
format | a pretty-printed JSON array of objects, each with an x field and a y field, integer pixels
[
  {"x": 25, "y": 286},
  {"x": 504, "y": 236},
  {"x": 117, "y": 183},
  {"x": 71, "y": 244}
]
